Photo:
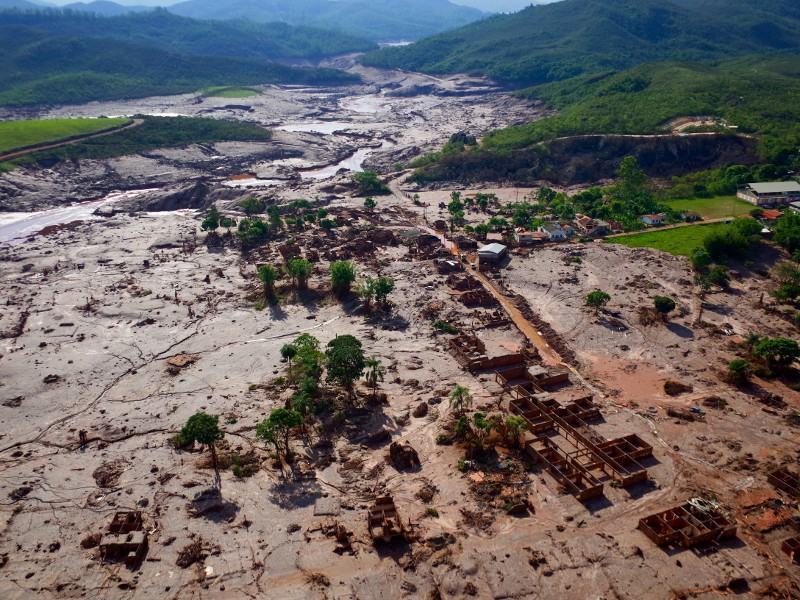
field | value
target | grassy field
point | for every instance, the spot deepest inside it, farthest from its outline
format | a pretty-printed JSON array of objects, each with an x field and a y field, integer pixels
[
  {"x": 230, "y": 92},
  {"x": 713, "y": 208},
  {"x": 20, "y": 134},
  {"x": 680, "y": 241}
]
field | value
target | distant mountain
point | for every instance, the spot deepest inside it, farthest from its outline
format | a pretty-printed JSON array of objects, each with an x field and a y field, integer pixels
[
  {"x": 19, "y": 4},
  {"x": 565, "y": 39},
  {"x": 379, "y": 20},
  {"x": 171, "y": 33},
  {"x": 50, "y": 57},
  {"x": 105, "y": 8}
]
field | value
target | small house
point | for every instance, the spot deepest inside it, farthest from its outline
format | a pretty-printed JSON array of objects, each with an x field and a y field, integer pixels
[
  {"x": 554, "y": 231},
  {"x": 771, "y": 214},
  {"x": 655, "y": 220},
  {"x": 494, "y": 237},
  {"x": 524, "y": 237}
]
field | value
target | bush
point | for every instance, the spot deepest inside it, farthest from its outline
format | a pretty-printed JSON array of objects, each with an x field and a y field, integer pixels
[
  {"x": 369, "y": 184},
  {"x": 738, "y": 371},
  {"x": 445, "y": 327}
]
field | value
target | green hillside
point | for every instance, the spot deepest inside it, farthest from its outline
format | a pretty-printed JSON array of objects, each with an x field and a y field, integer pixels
[
  {"x": 566, "y": 39},
  {"x": 51, "y": 58},
  {"x": 162, "y": 30},
  {"x": 378, "y": 20},
  {"x": 757, "y": 96}
]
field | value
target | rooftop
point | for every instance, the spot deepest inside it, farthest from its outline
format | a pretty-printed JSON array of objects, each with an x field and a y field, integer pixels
[
  {"x": 775, "y": 187},
  {"x": 492, "y": 249}
]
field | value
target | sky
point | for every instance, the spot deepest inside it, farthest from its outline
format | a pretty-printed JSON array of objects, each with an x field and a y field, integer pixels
[{"x": 487, "y": 5}]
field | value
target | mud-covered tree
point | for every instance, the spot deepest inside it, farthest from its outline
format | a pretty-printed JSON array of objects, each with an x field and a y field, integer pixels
[
  {"x": 370, "y": 203},
  {"x": 663, "y": 305},
  {"x": 738, "y": 371},
  {"x": 268, "y": 275},
  {"x": 597, "y": 299},
  {"x": 275, "y": 220},
  {"x": 345, "y": 361},
  {"x": 251, "y": 231},
  {"x": 375, "y": 372},
  {"x": 203, "y": 428},
  {"x": 308, "y": 361},
  {"x": 299, "y": 270},
  {"x": 482, "y": 428},
  {"x": 343, "y": 274},
  {"x": 277, "y": 429},
  {"x": 777, "y": 353},
  {"x": 366, "y": 291},
  {"x": 211, "y": 222},
  {"x": 460, "y": 400}
]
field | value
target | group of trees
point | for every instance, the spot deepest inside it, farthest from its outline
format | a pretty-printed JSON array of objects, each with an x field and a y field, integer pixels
[
  {"x": 476, "y": 432},
  {"x": 368, "y": 183},
  {"x": 772, "y": 354},
  {"x": 298, "y": 269},
  {"x": 598, "y": 299}
]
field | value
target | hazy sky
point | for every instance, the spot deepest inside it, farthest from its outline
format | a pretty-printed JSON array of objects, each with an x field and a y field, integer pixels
[{"x": 487, "y": 5}]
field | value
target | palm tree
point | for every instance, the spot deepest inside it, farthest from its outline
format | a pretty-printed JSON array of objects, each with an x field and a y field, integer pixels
[
  {"x": 374, "y": 374},
  {"x": 460, "y": 400}
]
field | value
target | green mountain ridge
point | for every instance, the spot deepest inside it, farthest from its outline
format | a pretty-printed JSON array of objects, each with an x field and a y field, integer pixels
[
  {"x": 565, "y": 39},
  {"x": 57, "y": 57},
  {"x": 378, "y": 20}
]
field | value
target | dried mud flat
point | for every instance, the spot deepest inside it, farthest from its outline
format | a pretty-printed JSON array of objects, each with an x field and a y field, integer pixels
[{"x": 90, "y": 327}]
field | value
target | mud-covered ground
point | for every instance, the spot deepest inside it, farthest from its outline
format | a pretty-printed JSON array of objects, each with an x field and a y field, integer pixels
[
  {"x": 91, "y": 354},
  {"x": 389, "y": 119}
]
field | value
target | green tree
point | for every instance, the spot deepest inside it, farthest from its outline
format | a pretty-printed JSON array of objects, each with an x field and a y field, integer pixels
[
  {"x": 700, "y": 258},
  {"x": 345, "y": 361},
  {"x": 277, "y": 429},
  {"x": 664, "y": 305},
  {"x": 343, "y": 274},
  {"x": 204, "y": 429},
  {"x": 252, "y": 206},
  {"x": 211, "y": 222},
  {"x": 383, "y": 286},
  {"x": 482, "y": 428},
  {"x": 299, "y": 270},
  {"x": 288, "y": 354},
  {"x": 275, "y": 220},
  {"x": 375, "y": 372},
  {"x": 370, "y": 203},
  {"x": 597, "y": 299},
  {"x": 268, "y": 275},
  {"x": 227, "y": 223},
  {"x": 366, "y": 291},
  {"x": 787, "y": 231},
  {"x": 777, "y": 352},
  {"x": 460, "y": 400},
  {"x": 251, "y": 231},
  {"x": 513, "y": 428},
  {"x": 739, "y": 371},
  {"x": 718, "y": 276},
  {"x": 369, "y": 183}
]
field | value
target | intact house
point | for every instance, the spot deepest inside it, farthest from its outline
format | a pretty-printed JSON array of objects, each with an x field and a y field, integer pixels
[
  {"x": 777, "y": 193},
  {"x": 554, "y": 231},
  {"x": 654, "y": 220}
]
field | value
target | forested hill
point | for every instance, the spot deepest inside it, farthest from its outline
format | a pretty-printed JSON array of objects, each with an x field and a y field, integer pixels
[
  {"x": 379, "y": 20},
  {"x": 163, "y": 30},
  {"x": 56, "y": 58},
  {"x": 573, "y": 37}
]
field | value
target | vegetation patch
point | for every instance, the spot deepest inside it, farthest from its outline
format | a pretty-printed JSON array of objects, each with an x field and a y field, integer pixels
[
  {"x": 680, "y": 241},
  {"x": 712, "y": 208},
  {"x": 155, "y": 132},
  {"x": 22, "y": 134},
  {"x": 230, "y": 92}
]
